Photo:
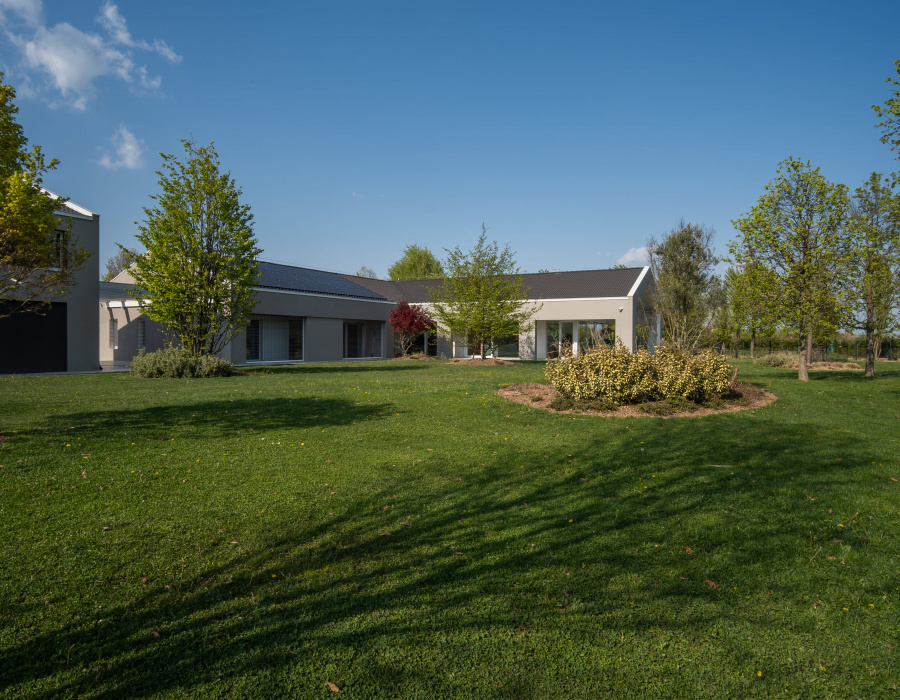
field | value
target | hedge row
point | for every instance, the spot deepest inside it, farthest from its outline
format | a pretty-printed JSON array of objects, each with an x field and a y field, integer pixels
[{"x": 617, "y": 375}]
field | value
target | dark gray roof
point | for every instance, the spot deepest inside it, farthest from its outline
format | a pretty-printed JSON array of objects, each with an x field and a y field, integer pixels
[
  {"x": 303, "y": 279},
  {"x": 114, "y": 291},
  {"x": 580, "y": 284}
]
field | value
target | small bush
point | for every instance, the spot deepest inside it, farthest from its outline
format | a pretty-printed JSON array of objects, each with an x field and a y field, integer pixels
[
  {"x": 778, "y": 359},
  {"x": 620, "y": 377},
  {"x": 178, "y": 362}
]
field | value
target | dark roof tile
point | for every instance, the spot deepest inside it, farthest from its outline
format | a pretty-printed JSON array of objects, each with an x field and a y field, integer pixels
[
  {"x": 303, "y": 279},
  {"x": 580, "y": 284}
]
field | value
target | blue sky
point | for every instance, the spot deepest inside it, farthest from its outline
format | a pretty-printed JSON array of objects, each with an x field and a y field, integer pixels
[{"x": 574, "y": 130}]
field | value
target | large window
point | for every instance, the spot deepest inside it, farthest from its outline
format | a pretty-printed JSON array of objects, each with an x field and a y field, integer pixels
[
  {"x": 560, "y": 337},
  {"x": 113, "y": 334},
  {"x": 274, "y": 339},
  {"x": 362, "y": 339},
  {"x": 595, "y": 334}
]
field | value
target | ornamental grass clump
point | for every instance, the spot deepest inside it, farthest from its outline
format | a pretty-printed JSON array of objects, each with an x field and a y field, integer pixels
[
  {"x": 622, "y": 377},
  {"x": 178, "y": 363},
  {"x": 788, "y": 360}
]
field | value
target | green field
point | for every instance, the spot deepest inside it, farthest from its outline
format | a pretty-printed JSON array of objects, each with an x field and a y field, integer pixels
[{"x": 397, "y": 530}]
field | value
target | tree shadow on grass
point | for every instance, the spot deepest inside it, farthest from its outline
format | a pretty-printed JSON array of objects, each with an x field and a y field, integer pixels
[
  {"x": 217, "y": 419},
  {"x": 501, "y": 576},
  {"x": 373, "y": 366}
]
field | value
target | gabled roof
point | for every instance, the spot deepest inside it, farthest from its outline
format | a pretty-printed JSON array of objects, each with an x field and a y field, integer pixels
[
  {"x": 70, "y": 208},
  {"x": 304, "y": 279},
  {"x": 580, "y": 284}
]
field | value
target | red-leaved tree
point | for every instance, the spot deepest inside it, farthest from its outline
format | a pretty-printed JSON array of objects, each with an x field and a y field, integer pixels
[{"x": 408, "y": 323}]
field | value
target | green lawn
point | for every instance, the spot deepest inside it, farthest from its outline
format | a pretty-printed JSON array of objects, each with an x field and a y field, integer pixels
[{"x": 397, "y": 530}]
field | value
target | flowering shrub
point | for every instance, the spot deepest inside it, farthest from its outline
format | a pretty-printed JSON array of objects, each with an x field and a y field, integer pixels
[
  {"x": 178, "y": 362},
  {"x": 622, "y": 377},
  {"x": 408, "y": 322}
]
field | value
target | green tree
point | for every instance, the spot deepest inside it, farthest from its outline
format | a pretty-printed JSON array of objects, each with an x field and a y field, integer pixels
[
  {"x": 483, "y": 298},
  {"x": 416, "y": 263},
  {"x": 119, "y": 262},
  {"x": 889, "y": 113},
  {"x": 366, "y": 272},
  {"x": 748, "y": 291},
  {"x": 872, "y": 276},
  {"x": 687, "y": 289},
  {"x": 200, "y": 265},
  {"x": 797, "y": 232},
  {"x": 38, "y": 256}
]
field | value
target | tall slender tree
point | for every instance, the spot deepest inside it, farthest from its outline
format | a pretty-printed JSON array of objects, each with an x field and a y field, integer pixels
[
  {"x": 687, "y": 289},
  {"x": 797, "y": 232},
  {"x": 750, "y": 294},
  {"x": 200, "y": 265},
  {"x": 872, "y": 279}
]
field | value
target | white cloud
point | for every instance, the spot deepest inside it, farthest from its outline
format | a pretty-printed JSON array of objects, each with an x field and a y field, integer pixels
[
  {"x": 29, "y": 11},
  {"x": 73, "y": 60},
  {"x": 118, "y": 30},
  {"x": 634, "y": 257},
  {"x": 129, "y": 151}
]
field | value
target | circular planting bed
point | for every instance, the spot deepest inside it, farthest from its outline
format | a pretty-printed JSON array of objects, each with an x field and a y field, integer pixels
[{"x": 744, "y": 397}]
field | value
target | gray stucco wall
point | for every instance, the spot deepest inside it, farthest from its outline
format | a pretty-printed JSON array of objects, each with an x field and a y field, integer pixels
[{"x": 81, "y": 301}]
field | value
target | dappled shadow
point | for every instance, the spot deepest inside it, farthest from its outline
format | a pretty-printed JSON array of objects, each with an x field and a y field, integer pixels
[
  {"x": 373, "y": 366},
  {"x": 219, "y": 418},
  {"x": 528, "y": 541}
]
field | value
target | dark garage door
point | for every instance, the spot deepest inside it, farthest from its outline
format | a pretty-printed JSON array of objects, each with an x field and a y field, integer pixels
[{"x": 31, "y": 342}]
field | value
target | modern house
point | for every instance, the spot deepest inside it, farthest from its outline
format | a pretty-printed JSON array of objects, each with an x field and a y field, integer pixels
[
  {"x": 306, "y": 315},
  {"x": 63, "y": 336}
]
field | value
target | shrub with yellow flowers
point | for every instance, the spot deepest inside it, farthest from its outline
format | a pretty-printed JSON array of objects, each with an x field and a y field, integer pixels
[{"x": 617, "y": 375}]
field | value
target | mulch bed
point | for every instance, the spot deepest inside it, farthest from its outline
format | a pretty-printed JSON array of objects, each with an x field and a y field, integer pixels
[
  {"x": 835, "y": 366},
  {"x": 541, "y": 395},
  {"x": 479, "y": 361}
]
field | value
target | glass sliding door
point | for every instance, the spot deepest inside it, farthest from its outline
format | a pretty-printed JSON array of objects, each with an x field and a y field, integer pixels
[
  {"x": 559, "y": 338},
  {"x": 362, "y": 339},
  {"x": 274, "y": 339},
  {"x": 595, "y": 334}
]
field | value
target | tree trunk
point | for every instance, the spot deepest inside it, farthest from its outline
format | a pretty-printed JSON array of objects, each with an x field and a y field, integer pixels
[
  {"x": 870, "y": 332},
  {"x": 870, "y": 352},
  {"x": 752, "y": 342},
  {"x": 805, "y": 354}
]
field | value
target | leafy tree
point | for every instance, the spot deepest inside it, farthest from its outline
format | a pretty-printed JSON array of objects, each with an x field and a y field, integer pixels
[
  {"x": 366, "y": 272},
  {"x": 889, "y": 113},
  {"x": 200, "y": 266},
  {"x": 687, "y": 289},
  {"x": 797, "y": 233},
  {"x": 38, "y": 261},
  {"x": 619, "y": 266},
  {"x": 872, "y": 278},
  {"x": 483, "y": 297},
  {"x": 119, "y": 262},
  {"x": 746, "y": 290},
  {"x": 417, "y": 263},
  {"x": 408, "y": 323}
]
